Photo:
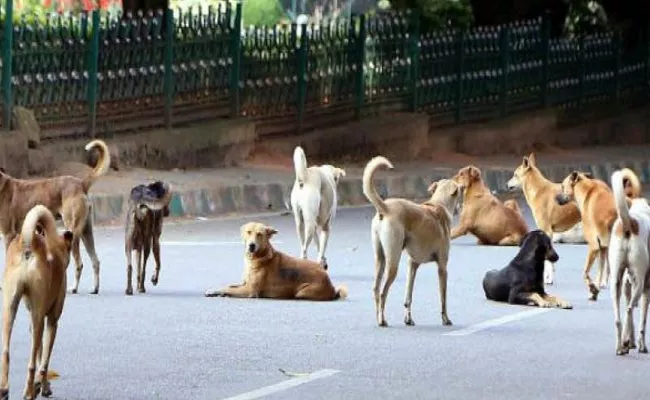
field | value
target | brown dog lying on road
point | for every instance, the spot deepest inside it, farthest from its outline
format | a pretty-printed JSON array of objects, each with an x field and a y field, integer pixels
[
  {"x": 595, "y": 201},
  {"x": 148, "y": 205},
  {"x": 483, "y": 215},
  {"x": 35, "y": 271},
  {"x": 63, "y": 195},
  {"x": 275, "y": 275}
]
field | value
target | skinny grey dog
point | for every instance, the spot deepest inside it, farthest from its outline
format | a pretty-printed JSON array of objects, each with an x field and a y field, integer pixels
[{"x": 148, "y": 205}]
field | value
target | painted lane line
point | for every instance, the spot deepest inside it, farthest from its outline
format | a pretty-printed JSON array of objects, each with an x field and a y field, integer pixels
[
  {"x": 284, "y": 385},
  {"x": 497, "y": 321},
  {"x": 203, "y": 243}
]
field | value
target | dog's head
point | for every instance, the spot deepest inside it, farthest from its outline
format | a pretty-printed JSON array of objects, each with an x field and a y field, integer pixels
[
  {"x": 539, "y": 242},
  {"x": 334, "y": 172},
  {"x": 467, "y": 176},
  {"x": 527, "y": 163},
  {"x": 448, "y": 193},
  {"x": 568, "y": 186},
  {"x": 65, "y": 246},
  {"x": 256, "y": 237}
]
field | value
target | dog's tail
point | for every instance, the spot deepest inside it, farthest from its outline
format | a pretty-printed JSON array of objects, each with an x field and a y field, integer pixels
[
  {"x": 630, "y": 178},
  {"x": 300, "y": 164},
  {"x": 622, "y": 207},
  {"x": 341, "y": 292},
  {"x": 39, "y": 217},
  {"x": 103, "y": 162},
  {"x": 369, "y": 189}
]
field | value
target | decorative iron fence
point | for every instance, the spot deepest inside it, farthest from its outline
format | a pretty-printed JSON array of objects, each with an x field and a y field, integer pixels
[{"x": 83, "y": 73}]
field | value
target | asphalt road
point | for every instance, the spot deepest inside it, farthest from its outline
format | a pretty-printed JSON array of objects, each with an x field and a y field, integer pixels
[{"x": 173, "y": 343}]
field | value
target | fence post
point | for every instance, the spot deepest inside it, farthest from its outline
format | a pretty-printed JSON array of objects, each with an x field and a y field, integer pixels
[
  {"x": 460, "y": 66},
  {"x": 360, "y": 52},
  {"x": 302, "y": 74},
  {"x": 7, "y": 47},
  {"x": 168, "y": 83},
  {"x": 546, "y": 52},
  {"x": 235, "y": 53},
  {"x": 93, "y": 60},
  {"x": 617, "y": 66},
  {"x": 504, "y": 47},
  {"x": 582, "y": 70},
  {"x": 414, "y": 50}
]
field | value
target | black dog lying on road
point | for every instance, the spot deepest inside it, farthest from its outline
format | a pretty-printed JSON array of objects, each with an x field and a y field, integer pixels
[
  {"x": 148, "y": 204},
  {"x": 522, "y": 281}
]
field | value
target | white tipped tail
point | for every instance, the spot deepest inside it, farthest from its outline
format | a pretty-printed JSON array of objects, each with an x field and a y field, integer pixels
[
  {"x": 103, "y": 163},
  {"x": 621, "y": 200},
  {"x": 300, "y": 164},
  {"x": 369, "y": 189}
]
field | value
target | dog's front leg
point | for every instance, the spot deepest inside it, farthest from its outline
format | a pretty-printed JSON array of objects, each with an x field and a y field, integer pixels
[
  {"x": 244, "y": 291},
  {"x": 459, "y": 230},
  {"x": 156, "y": 258},
  {"x": 408, "y": 298},
  {"x": 37, "y": 339},
  {"x": 557, "y": 302}
]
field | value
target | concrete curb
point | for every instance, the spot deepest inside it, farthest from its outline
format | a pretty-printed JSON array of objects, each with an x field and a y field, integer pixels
[{"x": 272, "y": 197}]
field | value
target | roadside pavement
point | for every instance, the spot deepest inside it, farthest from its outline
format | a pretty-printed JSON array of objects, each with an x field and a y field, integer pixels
[{"x": 264, "y": 184}]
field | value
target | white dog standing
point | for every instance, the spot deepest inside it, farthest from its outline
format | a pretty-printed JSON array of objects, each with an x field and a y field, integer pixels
[
  {"x": 314, "y": 201},
  {"x": 629, "y": 260}
]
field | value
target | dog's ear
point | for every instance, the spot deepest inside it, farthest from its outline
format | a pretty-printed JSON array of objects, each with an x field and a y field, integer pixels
[
  {"x": 474, "y": 173},
  {"x": 341, "y": 172},
  {"x": 525, "y": 162},
  {"x": 270, "y": 231},
  {"x": 532, "y": 160},
  {"x": 588, "y": 175},
  {"x": 432, "y": 188},
  {"x": 2, "y": 169},
  {"x": 575, "y": 176}
]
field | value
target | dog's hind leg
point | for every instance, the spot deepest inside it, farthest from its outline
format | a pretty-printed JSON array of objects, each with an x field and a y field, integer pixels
[
  {"x": 146, "y": 252},
  {"x": 138, "y": 260},
  {"x": 393, "y": 243},
  {"x": 591, "y": 256},
  {"x": 643, "y": 310},
  {"x": 617, "y": 282},
  {"x": 408, "y": 298},
  {"x": 88, "y": 240},
  {"x": 156, "y": 258},
  {"x": 11, "y": 300},
  {"x": 37, "y": 340},
  {"x": 48, "y": 344},
  {"x": 603, "y": 268},
  {"x": 380, "y": 266},
  {"x": 628, "y": 329},
  {"x": 300, "y": 229},
  {"x": 442, "y": 287},
  {"x": 322, "y": 245},
  {"x": 76, "y": 254}
]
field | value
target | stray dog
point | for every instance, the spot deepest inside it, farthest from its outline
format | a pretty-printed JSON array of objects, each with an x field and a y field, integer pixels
[
  {"x": 540, "y": 195},
  {"x": 148, "y": 204},
  {"x": 422, "y": 230},
  {"x": 275, "y": 275},
  {"x": 629, "y": 260},
  {"x": 483, "y": 215},
  {"x": 522, "y": 281},
  {"x": 575, "y": 235},
  {"x": 37, "y": 259},
  {"x": 596, "y": 204},
  {"x": 66, "y": 196},
  {"x": 314, "y": 201}
]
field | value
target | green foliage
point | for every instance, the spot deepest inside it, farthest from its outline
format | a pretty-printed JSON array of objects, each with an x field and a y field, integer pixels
[
  {"x": 439, "y": 14},
  {"x": 585, "y": 16},
  {"x": 261, "y": 12}
]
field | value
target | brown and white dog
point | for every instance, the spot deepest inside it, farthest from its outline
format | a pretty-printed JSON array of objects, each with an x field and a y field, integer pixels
[
  {"x": 148, "y": 205},
  {"x": 275, "y": 275},
  {"x": 422, "y": 230},
  {"x": 595, "y": 201},
  {"x": 66, "y": 196},
  {"x": 485, "y": 216},
  {"x": 629, "y": 259},
  {"x": 35, "y": 271},
  {"x": 540, "y": 194}
]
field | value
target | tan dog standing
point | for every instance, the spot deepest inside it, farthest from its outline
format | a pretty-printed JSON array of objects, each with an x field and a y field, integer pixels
[
  {"x": 63, "y": 195},
  {"x": 595, "y": 201},
  {"x": 272, "y": 274},
  {"x": 35, "y": 271},
  {"x": 483, "y": 215},
  {"x": 540, "y": 194},
  {"x": 422, "y": 230}
]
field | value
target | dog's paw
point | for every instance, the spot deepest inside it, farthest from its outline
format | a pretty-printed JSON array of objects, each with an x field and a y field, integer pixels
[
  {"x": 154, "y": 280},
  {"x": 621, "y": 351},
  {"x": 4, "y": 394},
  {"x": 141, "y": 289},
  {"x": 593, "y": 292},
  {"x": 382, "y": 323},
  {"x": 566, "y": 306},
  {"x": 72, "y": 290},
  {"x": 93, "y": 291},
  {"x": 214, "y": 293},
  {"x": 129, "y": 291},
  {"x": 46, "y": 390},
  {"x": 408, "y": 321},
  {"x": 642, "y": 347}
]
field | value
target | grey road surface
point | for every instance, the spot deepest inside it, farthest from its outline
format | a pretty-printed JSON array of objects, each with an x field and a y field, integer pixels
[{"x": 173, "y": 343}]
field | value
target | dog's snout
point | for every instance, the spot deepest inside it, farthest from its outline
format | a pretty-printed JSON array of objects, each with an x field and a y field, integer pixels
[
  {"x": 561, "y": 199},
  {"x": 251, "y": 247},
  {"x": 552, "y": 256}
]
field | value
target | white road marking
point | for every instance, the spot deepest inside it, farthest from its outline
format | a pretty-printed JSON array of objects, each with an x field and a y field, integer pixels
[
  {"x": 284, "y": 385},
  {"x": 497, "y": 321},
  {"x": 206, "y": 243}
]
